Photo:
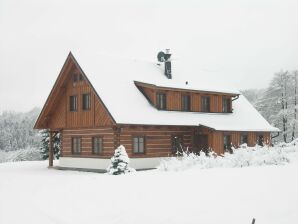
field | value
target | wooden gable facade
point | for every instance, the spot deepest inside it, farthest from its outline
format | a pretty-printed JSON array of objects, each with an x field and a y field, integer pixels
[{"x": 81, "y": 128}]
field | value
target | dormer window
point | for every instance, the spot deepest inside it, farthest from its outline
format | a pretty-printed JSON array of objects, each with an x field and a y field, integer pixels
[
  {"x": 186, "y": 102},
  {"x": 226, "y": 105},
  {"x": 205, "y": 104},
  {"x": 161, "y": 101}
]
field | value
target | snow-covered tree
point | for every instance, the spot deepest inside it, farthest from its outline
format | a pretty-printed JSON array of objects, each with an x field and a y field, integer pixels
[
  {"x": 45, "y": 138},
  {"x": 16, "y": 130},
  {"x": 278, "y": 103},
  {"x": 119, "y": 162}
]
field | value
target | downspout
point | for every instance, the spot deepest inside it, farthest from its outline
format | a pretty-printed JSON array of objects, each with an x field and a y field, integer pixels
[
  {"x": 275, "y": 135},
  {"x": 235, "y": 98}
]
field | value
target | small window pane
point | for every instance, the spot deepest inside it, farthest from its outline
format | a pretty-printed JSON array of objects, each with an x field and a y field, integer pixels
[
  {"x": 161, "y": 101},
  {"x": 186, "y": 103},
  {"x": 205, "y": 103},
  {"x": 227, "y": 143},
  {"x": 138, "y": 145},
  {"x": 73, "y": 103},
  {"x": 97, "y": 145},
  {"x": 76, "y": 145},
  {"x": 86, "y": 101},
  {"x": 75, "y": 78},
  {"x": 226, "y": 105},
  {"x": 244, "y": 139}
]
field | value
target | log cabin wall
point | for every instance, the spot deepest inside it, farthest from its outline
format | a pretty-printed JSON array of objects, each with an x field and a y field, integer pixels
[
  {"x": 158, "y": 139},
  {"x": 86, "y": 135},
  {"x": 174, "y": 99}
]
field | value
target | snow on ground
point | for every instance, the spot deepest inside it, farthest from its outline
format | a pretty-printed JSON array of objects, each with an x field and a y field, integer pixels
[
  {"x": 32, "y": 193},
  {"x": 243, "y": 157}
]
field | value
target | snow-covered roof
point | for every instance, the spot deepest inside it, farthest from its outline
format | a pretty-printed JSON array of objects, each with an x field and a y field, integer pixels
[{"x": 113, "y": 79}]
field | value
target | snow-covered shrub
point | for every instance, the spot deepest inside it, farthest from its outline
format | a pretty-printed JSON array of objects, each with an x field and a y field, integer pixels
[
  {"x": 242, "y": 157},
  {"x": 27, "y": 154},
  {"x": 119, "y": 162}
]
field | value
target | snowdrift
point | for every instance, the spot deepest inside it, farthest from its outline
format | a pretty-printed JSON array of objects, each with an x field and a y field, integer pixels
[{"x": 242, "y": 157}]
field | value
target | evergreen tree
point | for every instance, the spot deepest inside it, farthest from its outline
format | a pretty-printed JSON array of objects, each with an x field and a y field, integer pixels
[
  {"x": 119, "y": 162},
  {"x": 45, "y": 138}
]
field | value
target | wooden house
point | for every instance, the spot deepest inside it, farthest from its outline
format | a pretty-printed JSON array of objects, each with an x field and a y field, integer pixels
[{"x": 152, "y": 108}]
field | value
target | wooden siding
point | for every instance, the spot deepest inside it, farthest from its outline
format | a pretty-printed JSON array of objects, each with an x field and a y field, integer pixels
[
  {"x": 86, "y": 135},
  {"x": 61, "y": 116},
  {"x": 174, "y": 98},
  {"x": 158, "y": 139}
]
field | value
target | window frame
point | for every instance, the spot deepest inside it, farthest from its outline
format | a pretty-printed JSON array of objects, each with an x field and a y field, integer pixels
[
  {"x": 185, "y": 96},
  {"x": 229, "y": 105},
  {"x": 172, "y": 143},
  {"x": 88, "y": 102},
  {"x": 74, "y": 152},
  {"x": 101, "y": 145},
  {"x": 241, "y": 135},
  {"x": 262, "y": 144},
  {"x": 229, "y": 148},
  {"x": 75, "y": 105},
  {"x": 202, "y": 104},
  {"x": 144, "y": 144},
  {"x": 158, "y": 104}
]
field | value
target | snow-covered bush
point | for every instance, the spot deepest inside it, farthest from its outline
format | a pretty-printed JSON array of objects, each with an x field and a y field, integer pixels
[
  {"x": 119, "y": 162},
  {"x": 27, "y": 154},
  {"x": 242, "y": 157}
]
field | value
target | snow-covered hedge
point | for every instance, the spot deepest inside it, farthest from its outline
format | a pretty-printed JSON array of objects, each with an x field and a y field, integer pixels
[
  {"x": 243, "y": 157},
  {"x": 27, "y": 154}
]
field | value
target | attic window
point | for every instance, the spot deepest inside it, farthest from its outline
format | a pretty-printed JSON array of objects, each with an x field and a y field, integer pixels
[{"x": 77, "y": 77}]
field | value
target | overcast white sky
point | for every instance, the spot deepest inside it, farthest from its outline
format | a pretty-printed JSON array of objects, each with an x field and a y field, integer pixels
[{"x": 245, "y": 41}]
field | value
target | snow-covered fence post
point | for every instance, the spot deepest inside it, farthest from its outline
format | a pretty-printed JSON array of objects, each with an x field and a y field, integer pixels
[{"x": 119, "y": 162}]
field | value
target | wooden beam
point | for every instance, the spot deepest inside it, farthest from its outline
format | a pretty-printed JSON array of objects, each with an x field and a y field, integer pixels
[{"x": 51, "y": 153}]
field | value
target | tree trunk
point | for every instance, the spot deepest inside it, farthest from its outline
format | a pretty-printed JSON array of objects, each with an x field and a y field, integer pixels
[{"x": 295, "y": 107}]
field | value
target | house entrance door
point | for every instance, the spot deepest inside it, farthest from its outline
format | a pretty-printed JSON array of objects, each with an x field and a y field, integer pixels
[{"x": 201, "y": 143}]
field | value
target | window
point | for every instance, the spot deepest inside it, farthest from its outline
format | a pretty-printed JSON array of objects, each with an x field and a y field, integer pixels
[
  {"x": 96, "y": 145},
  {"x": 243, "y": 139},
  {"x": 81, "y": 77},
  {"x": 161, "y": 101},
  {"x": 185, "y": 102},
  {"x": 73, "y": 105},
  {"x": 138, "y": 144},
  {"x": 227, "y": 143},
  {"x": 177, "y": 144},
  {"x": 76, "y": 145},
  {"x": 205, "y": 103},
  {"x": 260, "y": 140},
  {"x": 86, "y": 101},
  {"x": 75, "y": 78},
  {"x": 226, "y": 105}
]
